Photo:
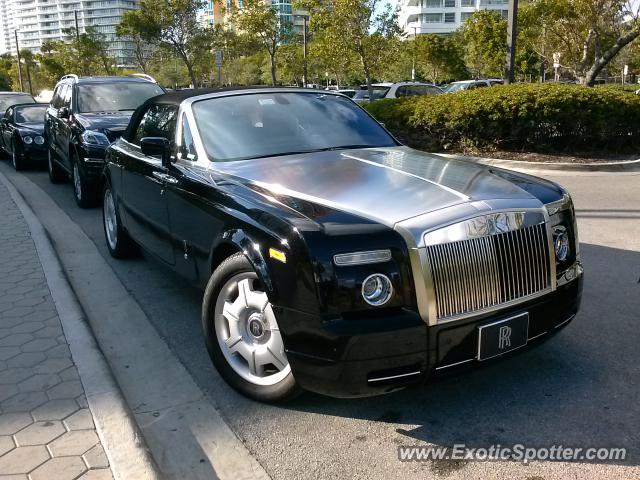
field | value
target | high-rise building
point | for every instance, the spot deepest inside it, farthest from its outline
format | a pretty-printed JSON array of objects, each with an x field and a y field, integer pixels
[
  {"x": 213, "y": 13},
  {"x": 38, "y": 21},
  {"x": 442, "y": 16}
]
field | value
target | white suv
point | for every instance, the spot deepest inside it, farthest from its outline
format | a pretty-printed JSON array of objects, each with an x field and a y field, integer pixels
[
  {"x": 472, "y": 84},
  {"x": 396, "y": 90}
]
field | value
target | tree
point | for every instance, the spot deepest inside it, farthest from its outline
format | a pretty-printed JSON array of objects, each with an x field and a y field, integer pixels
[
  {"x": 587, "y": 33},
  {"x": 172, "y": 25},
  {"x": 141, "y": 51},
  {"x": 28, "y": 58},
  {"x": 261, "y": 20},
  {"x": 362, "y": 27},
  {"x": 6, "y": 62},
  {"x": 291, "y": 63},
  {"x": 484, "y": 36},
  {"x": 438, "y": 58},
  {"x": 331, "y": 56}
]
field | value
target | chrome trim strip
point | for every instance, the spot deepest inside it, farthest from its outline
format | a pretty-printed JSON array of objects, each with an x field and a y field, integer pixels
[
  {"x": 571, "y": 317},
  {"x": 382, "y": 379},
  {"x": 484, "y": 226},
  {"x": 375, "y": 256},
  {"x": 442, "y": 367},
  {"x": 539, "y": 335}
]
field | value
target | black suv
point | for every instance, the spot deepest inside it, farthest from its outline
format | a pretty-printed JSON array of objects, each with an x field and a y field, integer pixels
[{"x": 85, "y": 116}]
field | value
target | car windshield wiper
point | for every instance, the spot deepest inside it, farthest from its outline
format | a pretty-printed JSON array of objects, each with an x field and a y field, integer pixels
[
  {"x": 314, "y": 150},
  {"x": 344, "y": 147}
]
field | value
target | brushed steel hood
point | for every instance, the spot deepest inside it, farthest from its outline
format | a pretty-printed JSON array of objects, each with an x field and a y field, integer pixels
[{"x": 386, "y": 185}]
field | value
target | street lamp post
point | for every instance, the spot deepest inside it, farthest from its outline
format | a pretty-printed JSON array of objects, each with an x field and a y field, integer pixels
[
  {"x": 304, "y": 50},
  {"x": 19, "y": 61},
  {"x": 512, "y": 34},
  {"x": 415, "y": 46}
]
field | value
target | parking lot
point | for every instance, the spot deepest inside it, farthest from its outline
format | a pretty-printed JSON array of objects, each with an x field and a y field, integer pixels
[{"x": 578, "y": 389}]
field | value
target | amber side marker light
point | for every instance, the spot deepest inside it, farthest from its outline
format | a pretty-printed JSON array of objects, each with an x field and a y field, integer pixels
[{"x": 278, "y": 255}]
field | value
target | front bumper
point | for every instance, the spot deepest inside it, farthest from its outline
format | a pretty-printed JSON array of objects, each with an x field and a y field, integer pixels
[
  {"x": 93, "y": 160},
  {"x": 34, "y": 153},
  {"x": 362, "y": 357}
]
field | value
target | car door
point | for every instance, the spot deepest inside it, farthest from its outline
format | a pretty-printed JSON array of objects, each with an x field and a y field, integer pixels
[
  {"x": 53, "y": 122},
  {"x": 63, "y": 128},
  {"x": 194, "y": 208},
  {"x": 144, "y": 182},
  {"x": 5, "y": 130}
]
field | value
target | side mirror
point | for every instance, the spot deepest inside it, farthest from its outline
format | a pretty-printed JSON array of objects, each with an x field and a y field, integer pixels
[
  {"x": 63, "y": 112},
  {"x": 157, "y": 147}
]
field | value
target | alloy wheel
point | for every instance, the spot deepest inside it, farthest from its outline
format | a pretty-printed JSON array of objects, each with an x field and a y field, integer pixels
[
  {"x": 110, "y": 220},
  {"x": 14, "y": 157},
  {"x": 248, "y": 333},
  {"x": 77, "y": 185}
]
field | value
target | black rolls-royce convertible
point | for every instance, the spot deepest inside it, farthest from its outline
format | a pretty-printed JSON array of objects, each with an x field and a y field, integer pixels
[{"x": 332, "y": 258}]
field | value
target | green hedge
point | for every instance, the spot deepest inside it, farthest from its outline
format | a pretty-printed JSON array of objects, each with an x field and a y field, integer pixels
[{"x": 529, "y": 117}]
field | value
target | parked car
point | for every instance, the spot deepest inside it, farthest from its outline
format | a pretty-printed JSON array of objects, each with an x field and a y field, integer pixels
[
  {"x": 349, "y": 92},
  {"x": 472, "y": 85},
  {"x": 332, "y": 258},
  {"x": 22, "y": 134},
  {"x": 8, "y": 99},
  {"x": 85, "y": 115},
  {"x": 395, "y": 90}
]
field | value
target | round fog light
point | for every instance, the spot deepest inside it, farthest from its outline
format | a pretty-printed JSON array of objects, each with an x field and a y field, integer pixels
[
  {"x": 561, "y": 243},
  {"x": 377, "y": 289}
]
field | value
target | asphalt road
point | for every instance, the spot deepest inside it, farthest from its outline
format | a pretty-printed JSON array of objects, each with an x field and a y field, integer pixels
[{"x": 579, "y": 389}]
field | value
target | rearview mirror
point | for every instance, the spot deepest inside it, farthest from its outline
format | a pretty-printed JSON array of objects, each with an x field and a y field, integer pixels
[
  {"x": 63, "y": 112},
  {"x": 157, "y": 147}
]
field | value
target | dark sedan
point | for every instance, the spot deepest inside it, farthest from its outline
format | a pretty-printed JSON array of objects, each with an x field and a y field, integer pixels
[
  {"x": 332, "y": 258},
  {"x": 22, "y": 134}
]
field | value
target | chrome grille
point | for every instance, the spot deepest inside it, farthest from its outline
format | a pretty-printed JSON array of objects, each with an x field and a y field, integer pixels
[{"x": 478, "y": 273}]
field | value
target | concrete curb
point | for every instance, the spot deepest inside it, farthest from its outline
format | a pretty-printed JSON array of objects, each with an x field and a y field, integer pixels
[
  {"x": 127, "y": 453},
  {"x": 624, "y": 166},
  {"x": 186, "y": 434}
]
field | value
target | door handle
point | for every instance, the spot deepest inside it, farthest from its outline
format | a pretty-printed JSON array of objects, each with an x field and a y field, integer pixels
[{"x": 165, "y": 177}]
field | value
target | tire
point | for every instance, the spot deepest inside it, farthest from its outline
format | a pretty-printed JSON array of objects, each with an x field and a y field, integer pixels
[
  {"x": 234, "y": 292},
  {"x": 83, "y": 193},
  {"x": 119, "y": 243},
  {"x": 17, "y": 162},
  {"x": 56, "y": 173}
]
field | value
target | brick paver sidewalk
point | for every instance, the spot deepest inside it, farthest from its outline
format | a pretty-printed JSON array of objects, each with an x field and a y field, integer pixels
[{"x": 46, "y": 428}]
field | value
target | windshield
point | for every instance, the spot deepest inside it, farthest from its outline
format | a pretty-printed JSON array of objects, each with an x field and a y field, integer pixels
[
  {"x": 8, "y": 100},
  {"x": 378, "y": 93},
  {"x": 114, "y": 97},
  {"x": 269, "y": 124},
  {"x": 456, "y": 87},
  {"x": 31, "y": 114}
]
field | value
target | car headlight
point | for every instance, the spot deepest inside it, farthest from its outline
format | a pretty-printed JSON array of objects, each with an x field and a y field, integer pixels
[
  {"x": 377, "y": 289},
  {"x": 561, "y": 243},
  {"x": 27, "y": 140},
  {"x": 91, "y": 137},
  {"x": 39, "y": 140}
]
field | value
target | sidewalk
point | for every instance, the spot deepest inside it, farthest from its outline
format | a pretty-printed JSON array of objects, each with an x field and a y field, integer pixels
[{"x": 46, "y": 428}]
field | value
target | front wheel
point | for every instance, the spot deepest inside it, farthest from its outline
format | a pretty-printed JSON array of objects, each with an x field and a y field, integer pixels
[
  {"x": 56, "y": 173},
  {"x": 242, "y": 334},
  {"x": 82, "y": 192},
  {"x": 119, "y": 242},
  {"x": 16, "y": 160}
]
